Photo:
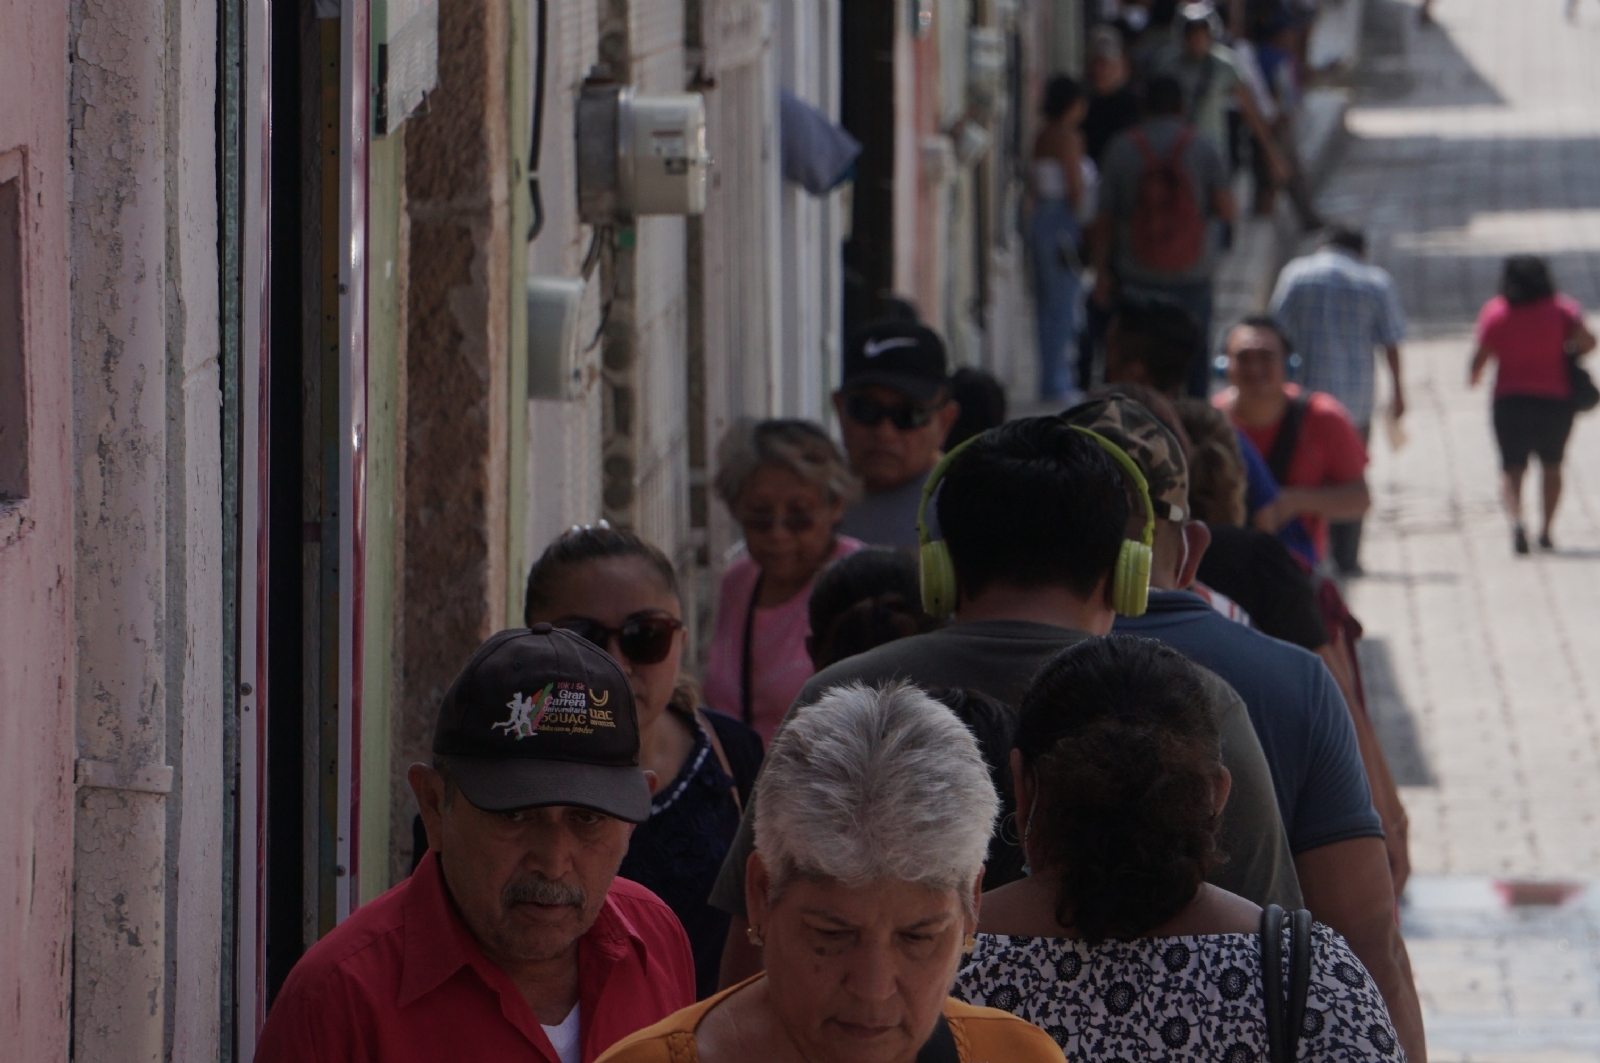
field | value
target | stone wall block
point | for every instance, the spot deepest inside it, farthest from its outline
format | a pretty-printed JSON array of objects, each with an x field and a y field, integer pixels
[{"x": 454, "y": 487}]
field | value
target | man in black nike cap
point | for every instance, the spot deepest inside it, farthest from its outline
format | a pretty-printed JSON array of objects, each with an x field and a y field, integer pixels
[
  {"x": 894, "y": 411},
  {"x": 513, "y": 938}
]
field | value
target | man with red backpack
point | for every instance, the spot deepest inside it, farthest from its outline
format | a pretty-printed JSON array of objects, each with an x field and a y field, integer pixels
[{"x": 1163, "y": 188}]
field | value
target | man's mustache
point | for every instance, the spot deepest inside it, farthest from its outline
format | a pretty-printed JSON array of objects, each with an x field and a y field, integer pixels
[{"x": 541, "y": 890}]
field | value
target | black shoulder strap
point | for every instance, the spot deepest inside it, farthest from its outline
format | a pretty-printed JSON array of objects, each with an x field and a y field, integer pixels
[
  {"x": 1284, "y": 1019},
  {"x": 1299, "y": 980},
  {"x": 1272, "y": 980},
  {"x": 1288, "y": 438},
  {"x": 704, "y": 723},
  {"x": 941, "y": 1045},
  {"x": 746, "y": 695}
]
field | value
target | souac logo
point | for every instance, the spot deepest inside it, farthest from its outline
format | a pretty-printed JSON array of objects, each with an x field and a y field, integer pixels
[{"x": 525, "y": 714}]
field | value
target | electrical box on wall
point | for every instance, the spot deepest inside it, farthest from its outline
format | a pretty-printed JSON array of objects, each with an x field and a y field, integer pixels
[
  {"x": 986, "y": 65},
  {"x": 554, "y": 361},
  {"x": 639, "y": 154},
  {"x": 405, "y": 61}
]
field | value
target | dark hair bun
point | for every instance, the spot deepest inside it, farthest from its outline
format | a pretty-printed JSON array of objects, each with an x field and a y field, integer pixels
[
  {"x": 582, "y": 544},
  {"x": 1123, "y": 748}
]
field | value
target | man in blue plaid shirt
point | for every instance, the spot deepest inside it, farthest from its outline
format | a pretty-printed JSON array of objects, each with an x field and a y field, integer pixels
[{"x": 1338, "y": 309}]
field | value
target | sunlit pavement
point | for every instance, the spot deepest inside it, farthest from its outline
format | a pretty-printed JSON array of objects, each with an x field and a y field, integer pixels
[{"x": 1473, "y": 140}]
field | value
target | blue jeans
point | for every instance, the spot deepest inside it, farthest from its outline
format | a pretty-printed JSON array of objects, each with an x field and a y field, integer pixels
[
  {"x": 1057, "y": 293},
  {"x": 1197, "y": 299}
]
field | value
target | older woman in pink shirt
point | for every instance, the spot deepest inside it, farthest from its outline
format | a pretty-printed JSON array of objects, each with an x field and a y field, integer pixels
[{"x": 787, "y": 484}]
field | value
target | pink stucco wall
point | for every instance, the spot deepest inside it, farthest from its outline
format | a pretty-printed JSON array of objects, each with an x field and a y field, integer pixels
[{"x": 36, "y": 562}]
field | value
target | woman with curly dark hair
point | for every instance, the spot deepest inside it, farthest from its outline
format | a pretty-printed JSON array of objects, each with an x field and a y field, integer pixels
[{"x": 1116, "y": 945}]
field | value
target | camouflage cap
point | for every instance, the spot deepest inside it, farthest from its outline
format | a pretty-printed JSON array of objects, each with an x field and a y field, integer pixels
[{"x": 1152, "y": 446}]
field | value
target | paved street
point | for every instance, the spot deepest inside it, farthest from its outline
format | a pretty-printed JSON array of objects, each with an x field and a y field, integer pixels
[{"x": 1471, "y": 140}]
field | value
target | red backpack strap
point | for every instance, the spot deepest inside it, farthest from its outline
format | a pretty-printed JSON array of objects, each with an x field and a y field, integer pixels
[
  {"x": 1144, "y": 147},
  {"x": 1185, "y": 138}
]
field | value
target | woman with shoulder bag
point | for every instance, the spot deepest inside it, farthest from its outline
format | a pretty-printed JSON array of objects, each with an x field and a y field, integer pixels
[
  {"x": 619, "y": 592},
  {"x": 787, "y": 484},
  {"x": 1115, "y": 944},
  {"x": 1062, "y": 186},
  {"x": 1536, "y": 336}
]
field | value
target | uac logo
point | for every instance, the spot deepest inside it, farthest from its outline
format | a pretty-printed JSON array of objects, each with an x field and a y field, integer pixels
[{"x": 525, "y": 714}]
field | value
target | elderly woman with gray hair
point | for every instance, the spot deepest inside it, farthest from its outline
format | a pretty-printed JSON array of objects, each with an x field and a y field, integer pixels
[
  {"x": 872, "y": 818},
  {"x": 787, "y": 484}
]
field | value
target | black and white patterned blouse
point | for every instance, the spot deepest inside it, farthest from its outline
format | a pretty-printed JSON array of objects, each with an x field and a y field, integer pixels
[{"x": 1177, "y": 999}]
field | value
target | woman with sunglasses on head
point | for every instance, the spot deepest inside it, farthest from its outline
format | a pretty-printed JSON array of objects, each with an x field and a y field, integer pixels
[
  {"x": 621, "y": 593},
  {"x": 787, "y": 485}
]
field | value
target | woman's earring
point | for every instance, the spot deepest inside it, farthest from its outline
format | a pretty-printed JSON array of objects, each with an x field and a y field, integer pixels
[
  {"x": 970, "y": 944},
  {"x": 754, "y": 934},
  {"x": 1008, "y": 830}
]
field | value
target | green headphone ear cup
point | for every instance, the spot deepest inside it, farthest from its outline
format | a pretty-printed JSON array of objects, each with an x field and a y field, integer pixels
[
  {"x": 1130, "y": 587},
  {"x": 938, "y": 580}
]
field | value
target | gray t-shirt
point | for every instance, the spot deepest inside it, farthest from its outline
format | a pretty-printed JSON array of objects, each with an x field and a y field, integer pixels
[
  {"x": 1000, "y": 658},
  {"x": 888, "y": 518},
  {"x": 1209, "y": 86},
  {"x": 1120, "y": 171}
]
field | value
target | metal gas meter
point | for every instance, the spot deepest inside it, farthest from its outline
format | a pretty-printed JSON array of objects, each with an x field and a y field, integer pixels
[{"x": 639, "y": 154}]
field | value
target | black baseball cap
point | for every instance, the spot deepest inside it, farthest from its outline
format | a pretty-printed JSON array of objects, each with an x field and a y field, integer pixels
[
  {"x": 904, "y": 355},
  {"x": 542, "y": 717}
]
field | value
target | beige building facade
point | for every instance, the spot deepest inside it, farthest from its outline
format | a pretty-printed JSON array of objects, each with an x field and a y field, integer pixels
[{"x": 270, "y": 460}]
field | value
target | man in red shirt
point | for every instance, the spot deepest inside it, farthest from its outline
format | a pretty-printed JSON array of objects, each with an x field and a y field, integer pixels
[
  {"x": 513, "y": 939},
  {"x": 1309, "y": 441}
]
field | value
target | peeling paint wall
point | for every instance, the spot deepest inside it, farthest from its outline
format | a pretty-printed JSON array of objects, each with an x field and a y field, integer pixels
[
  {"x": 36, "y": 569},
  {"x": 120, "y": 411},
  {"x": 648, "y": 342},
  {"x": 196, "y": 701},
  {"x": 563, "y": 462},
  {"x": 147, "y": 541}
]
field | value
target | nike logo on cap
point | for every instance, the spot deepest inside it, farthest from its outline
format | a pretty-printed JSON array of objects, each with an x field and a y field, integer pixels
[{"x": 877, "y": 347}]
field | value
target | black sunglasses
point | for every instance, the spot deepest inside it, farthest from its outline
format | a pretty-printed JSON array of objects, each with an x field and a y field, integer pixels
[
  {"x": 868, "y": 411},
  {"x": 795, "y": 522},
  {"x": 645, "y": 638}
]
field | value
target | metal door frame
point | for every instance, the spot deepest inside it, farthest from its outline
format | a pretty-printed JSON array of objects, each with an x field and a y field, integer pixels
[{"x": 254, "y": 703}]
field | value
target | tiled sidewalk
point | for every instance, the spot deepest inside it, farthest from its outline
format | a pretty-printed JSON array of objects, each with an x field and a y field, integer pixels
[{"x": 1473, "y": 140}]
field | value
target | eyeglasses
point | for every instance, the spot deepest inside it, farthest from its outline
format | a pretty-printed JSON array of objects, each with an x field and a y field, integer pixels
[
  {"x": 868, "y": 411},
  {"x": 795, "y": 522},
  {"x": 645, "y": 638}
]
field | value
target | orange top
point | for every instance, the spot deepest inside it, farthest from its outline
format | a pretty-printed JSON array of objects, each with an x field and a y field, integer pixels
[{"x": 981, "y": 1034}]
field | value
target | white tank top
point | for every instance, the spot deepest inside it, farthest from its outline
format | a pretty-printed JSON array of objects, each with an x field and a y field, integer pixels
[{"x": 1049, "y": 181}]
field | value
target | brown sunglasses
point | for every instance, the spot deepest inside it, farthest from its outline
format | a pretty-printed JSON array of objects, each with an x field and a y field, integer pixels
[{"x": 644, "y": 638}]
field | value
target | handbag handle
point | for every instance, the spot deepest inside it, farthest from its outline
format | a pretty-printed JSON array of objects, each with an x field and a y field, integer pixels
[{"x": 1285, "y": 1020}]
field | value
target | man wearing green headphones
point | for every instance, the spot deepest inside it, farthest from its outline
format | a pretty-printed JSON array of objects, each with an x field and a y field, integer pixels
[{"x": 1034, "y": 557}]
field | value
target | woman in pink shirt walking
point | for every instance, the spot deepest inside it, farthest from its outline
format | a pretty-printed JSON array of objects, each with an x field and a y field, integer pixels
[
  {"x": 787, "y": 484},
  {"x": 1534, "y": 334}
]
